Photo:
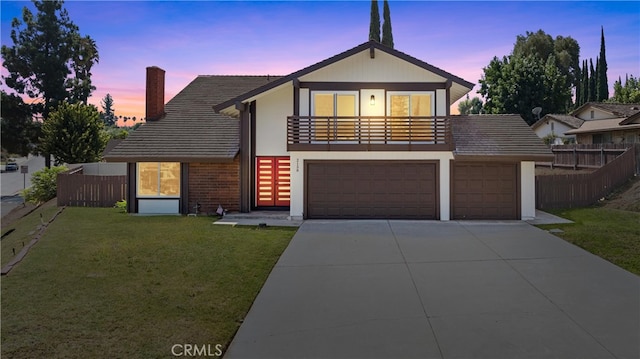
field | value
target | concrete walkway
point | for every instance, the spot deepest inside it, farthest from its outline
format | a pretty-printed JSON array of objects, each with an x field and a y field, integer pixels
[{"x": 426, "y": 289}]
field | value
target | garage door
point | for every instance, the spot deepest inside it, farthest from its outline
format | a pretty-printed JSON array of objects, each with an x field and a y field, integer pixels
[
  {"x": 485, "y": 191},
  {"x": 371, "y": 189}
]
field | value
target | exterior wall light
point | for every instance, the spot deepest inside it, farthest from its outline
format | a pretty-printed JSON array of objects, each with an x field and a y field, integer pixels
[{"x": 372, "y": 101}]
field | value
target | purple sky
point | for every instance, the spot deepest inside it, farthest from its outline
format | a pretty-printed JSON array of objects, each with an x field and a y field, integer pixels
[{"x": 276, "y": 38}]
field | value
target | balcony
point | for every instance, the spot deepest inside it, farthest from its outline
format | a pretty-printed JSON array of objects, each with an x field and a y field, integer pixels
[{"x": 368, "y": 133}]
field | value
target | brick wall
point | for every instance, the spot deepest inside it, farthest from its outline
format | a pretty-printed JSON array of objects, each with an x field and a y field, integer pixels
[{"x": 213, "y": 184}]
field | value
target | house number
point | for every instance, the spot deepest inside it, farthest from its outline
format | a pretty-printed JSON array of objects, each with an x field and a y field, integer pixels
[{"x": 297, "y": 165}]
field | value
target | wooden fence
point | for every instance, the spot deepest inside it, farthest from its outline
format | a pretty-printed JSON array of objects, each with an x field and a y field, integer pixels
[
  {"x": 80, "y": 190},
  {"x": 578, "y": 190},
  {"x": 586, "y": 155}
]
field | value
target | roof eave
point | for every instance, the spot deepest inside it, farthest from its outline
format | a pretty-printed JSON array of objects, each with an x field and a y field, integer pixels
[
  {"x": 490, "y": 157},
  {"x": 182, "y": 159}
]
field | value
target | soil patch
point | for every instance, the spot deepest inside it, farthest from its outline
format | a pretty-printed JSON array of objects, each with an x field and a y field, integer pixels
[{"x": 626, "y": 198}]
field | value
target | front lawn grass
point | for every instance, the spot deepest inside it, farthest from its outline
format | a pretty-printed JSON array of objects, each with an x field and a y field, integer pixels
[
  {"x": 609, "y": 233},
  {"x": 102, "y": 284}
]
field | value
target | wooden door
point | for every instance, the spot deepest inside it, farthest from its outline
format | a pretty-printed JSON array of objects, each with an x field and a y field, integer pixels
[{"x": 273, "y": 184}]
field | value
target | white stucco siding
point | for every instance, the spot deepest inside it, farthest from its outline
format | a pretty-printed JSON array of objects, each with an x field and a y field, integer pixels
[
  {"x": 558, "y": 128},
  {"x": 527, "y": 190},
  {"x": 597, "y": 114},
  {"x": 441, "y": 102},
  {"x": 297, "y": 172},
  {"x": 362, "y": 68},
  {"x": 271, "y": 122},
  {"x": 366, "y": 108}
]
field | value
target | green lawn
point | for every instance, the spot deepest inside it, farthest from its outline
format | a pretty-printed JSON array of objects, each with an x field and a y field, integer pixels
[
  {"x": 105, "y": 284},
  {"x": 609, "y": 233}
]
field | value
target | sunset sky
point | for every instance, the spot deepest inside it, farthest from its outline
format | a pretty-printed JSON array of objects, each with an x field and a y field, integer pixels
[{"x": 190, "y": 38}]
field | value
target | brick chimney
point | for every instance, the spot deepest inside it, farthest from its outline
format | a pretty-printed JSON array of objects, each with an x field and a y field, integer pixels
[{"x": 155, "y": 93}]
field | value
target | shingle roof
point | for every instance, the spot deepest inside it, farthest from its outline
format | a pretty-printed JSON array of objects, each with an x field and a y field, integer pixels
[
  {"x": 617, "y": 109},
  {"x": 497, "y": 137},
  {"x": 609, "y": 124},
  {"x": 568, "y": 120},
  {"x": 191, "y": 131}
]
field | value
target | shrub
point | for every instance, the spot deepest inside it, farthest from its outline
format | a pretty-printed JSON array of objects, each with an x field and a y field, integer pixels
[
  {"x": 43, "y": 185},
  {"x": 121, "y": 206}
]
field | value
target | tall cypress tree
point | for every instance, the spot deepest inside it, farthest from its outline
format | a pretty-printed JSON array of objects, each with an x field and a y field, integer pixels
[
  {"x": 584, "y": 84},
  {"x": 602, "y": 86},
  {"x": 578, "y": 84},
  {"x": 387, "y": 35},
  {"x": 592, "y": 82},
  {"x": 374, "y": 23}
]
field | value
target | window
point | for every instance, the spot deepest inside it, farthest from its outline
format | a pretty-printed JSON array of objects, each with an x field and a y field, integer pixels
[
  {"x": 158, "y": 179},
  {"x": 412, "y": 108},
  {"x": 328, "y": 106}
]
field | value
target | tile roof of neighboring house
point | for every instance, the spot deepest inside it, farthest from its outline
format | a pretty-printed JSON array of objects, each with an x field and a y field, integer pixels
[
  {"x": 610, "y": 124},
  {"x": 616, "y": 109},
  {"x": 371, "y": 45},
  {"x": 496, "y": 137},
  {"x": 190, "y": 130},
  {"x": 568, "y": 120}
]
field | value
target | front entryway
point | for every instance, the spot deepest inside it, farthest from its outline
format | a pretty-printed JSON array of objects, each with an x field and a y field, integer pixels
[{"x": 273, "y": 181}]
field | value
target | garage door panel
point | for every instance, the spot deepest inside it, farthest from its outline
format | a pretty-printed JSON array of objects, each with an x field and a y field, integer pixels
[
  {"x": 371, "y": 189},
  {"x": 485, "y": 191}
]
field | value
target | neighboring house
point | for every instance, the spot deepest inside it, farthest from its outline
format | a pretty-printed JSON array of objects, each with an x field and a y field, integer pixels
[
  {"x": 607, "y": 123},
  {"x": 557, "y": 125},
  {"x": 364, "y": 134}
]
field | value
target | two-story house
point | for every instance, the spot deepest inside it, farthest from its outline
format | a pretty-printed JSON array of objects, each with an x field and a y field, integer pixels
[{"x": 366, "y": 133}]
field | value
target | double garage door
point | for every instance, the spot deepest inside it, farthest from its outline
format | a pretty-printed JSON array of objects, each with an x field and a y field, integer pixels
[
  {"x": 409, "y": 190},
  {"x": 371, "y": 189}
]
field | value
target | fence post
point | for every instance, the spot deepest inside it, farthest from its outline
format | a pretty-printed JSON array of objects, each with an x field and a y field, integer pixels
[
  {"x": 602, "y": 159},
  {"x": 575, "y": 158}
]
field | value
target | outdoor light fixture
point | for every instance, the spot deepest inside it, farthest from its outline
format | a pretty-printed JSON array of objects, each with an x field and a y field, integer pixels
[{"x": 372, "y": 101}]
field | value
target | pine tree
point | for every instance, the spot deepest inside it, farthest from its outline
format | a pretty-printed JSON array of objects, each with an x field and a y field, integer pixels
[
  {"x": 374, "y": 23},
  {"x": 387, "y": 33},
  {"x": 602, "y": 86}
]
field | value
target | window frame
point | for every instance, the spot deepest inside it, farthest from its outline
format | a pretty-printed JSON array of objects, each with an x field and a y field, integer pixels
[
  {"x": 432, "y": 102},
  {"x": 159, "y": 182},
  {"x": 333, "y": 135}
]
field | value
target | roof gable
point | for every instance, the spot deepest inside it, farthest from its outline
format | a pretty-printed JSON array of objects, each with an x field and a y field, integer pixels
[
  {"x": 568, "y": 120},
  {"x": 370, "y": 47},
  {"x": 611, "y": 110}
]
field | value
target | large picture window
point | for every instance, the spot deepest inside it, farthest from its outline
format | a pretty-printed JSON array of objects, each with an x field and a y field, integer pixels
[
  {"x": 158, "y": 179},
  {"x": 329, "y": 105},
  {"x": 411, "y": 108}
]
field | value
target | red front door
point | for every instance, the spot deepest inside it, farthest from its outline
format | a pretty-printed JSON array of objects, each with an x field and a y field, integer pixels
[{"x": 273, "y": 181}]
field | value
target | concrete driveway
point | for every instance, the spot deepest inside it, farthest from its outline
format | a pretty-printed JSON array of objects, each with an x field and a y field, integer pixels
[{"x": 423, "y": 289}]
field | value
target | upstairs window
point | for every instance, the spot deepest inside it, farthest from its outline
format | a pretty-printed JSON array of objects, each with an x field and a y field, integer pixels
[
  {"x": 158, "y": 179},
  {"x": 327, "y": 106},
  {"x": 412, "y": 108}
]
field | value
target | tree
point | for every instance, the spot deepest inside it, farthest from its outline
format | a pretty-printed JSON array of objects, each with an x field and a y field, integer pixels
[
  {"x": 74, "y": 133},
  {"x": 374, "y": 22},
  {"x": 387, "y": 33},
  {"x": 539, "y": 72},
  {"x": 627, "y": 93},
  {"x": 45, "y": 51},
  {"x": 108, "y": 112},
  {"x": 592, "y": 82},
  {"x": 18, "y": 130},
  {"x": 602, "y": 86},
  {"x": 49, "y": 60},
  {"x": 470, "y": 106}
]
